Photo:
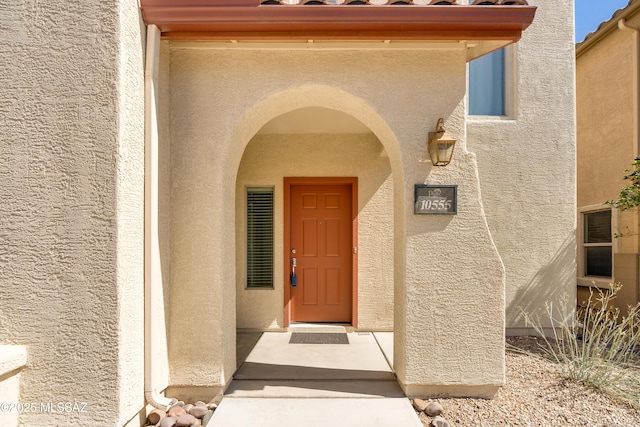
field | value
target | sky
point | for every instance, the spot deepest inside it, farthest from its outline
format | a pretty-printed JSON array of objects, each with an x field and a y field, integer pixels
[{"x": 590, "y": 13}]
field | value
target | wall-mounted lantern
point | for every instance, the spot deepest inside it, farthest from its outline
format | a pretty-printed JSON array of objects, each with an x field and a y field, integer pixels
[{"x": 440, "y": 145}]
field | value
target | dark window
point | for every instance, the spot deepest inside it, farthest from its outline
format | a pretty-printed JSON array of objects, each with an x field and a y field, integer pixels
[
  {"x": 597, "y": 244},
  {"x": 259, "y": 237}
]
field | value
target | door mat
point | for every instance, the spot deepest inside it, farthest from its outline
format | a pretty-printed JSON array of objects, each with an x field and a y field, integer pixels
[{"x": 318, "y": 338}]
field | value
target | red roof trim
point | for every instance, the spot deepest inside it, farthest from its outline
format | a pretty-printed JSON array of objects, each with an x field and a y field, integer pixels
[{"x": 248, "y": 20}]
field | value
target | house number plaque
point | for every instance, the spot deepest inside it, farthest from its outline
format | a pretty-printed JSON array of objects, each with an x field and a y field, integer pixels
[{"x": 435, "y": 199}]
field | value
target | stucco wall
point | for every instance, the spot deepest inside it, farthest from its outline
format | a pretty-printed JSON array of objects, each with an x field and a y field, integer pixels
[
  {"x": 71, "y": 119},
  {"x": 270, "y": 158},
  {"x": 71, "y": 239},
  {"x": 221, "y": 98},
  {"x": 607, "y": 105},
  {"x": 604, "y": 89},
  {"x": 527, "y": 166}
]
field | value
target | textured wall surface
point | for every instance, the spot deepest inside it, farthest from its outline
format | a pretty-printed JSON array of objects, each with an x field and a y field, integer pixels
[
  {"x": 71, "y": 217},
  {"x": 607, "y": 103},
  {"x": 71, "y": 229},
  {"x": 604, "y": 88},
  {"x": 527, "y": 166},
  {"x": 270, "y": 158},
  {"x": 221, "y": 98}
]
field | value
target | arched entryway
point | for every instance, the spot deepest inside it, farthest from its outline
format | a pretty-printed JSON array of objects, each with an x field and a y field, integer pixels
[{"x": 319, "y": 132}]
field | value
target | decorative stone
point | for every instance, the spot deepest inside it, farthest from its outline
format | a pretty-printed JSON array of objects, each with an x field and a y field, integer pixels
[
  {"x": 438, "y": 421},
  {"x": 155, "y": 416},
  {"x": 186, "y": 420},
  {"x": 167, "y": 422},
  {"x": 212, "y": 406},
  {"x": 419, "y": 405},
  {"x": 199, "y": 411},
  {"x": 187, "y": 407},
  {"x": 433, "y": 409},
  {"x": 176, "y": 411},
  {"x": 179, "y": 403},
  {"x": 200, "y": 403}
]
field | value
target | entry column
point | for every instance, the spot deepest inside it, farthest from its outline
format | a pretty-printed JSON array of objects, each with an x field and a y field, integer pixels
[{"x": 449, "y": 295}]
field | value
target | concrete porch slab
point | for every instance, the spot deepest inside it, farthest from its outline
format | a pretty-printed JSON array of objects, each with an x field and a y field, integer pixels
[
  {"x": 311, "y": 412},
  {"x": 314, "y": 389},
  {"x": 273, "y": 358},
  {"x": 316, "y": 385},
  {"x": 385, "y": 341}
]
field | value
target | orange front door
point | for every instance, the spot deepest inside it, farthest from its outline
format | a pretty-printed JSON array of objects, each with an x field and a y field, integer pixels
[{"x": 321, "y": 242}]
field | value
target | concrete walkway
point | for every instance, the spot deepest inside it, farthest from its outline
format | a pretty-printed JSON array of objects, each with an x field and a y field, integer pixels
[{"x": 316, "y": 385}]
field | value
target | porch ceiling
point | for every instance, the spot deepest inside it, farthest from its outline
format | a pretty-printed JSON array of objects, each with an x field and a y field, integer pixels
[{"x": 249, "y": 20}]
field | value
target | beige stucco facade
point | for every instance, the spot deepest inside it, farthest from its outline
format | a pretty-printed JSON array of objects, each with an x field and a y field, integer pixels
[
  {"x": 607, "y": 105},
  {"x": 72, "y": 173},
  {"x": 222, "y": 118},
  {"x": 528, "y": 178},
  {"x": 390, "y": 105}
]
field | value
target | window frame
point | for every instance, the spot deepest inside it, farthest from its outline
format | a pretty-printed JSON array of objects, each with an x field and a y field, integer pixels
[{"x": 582, "y": 278}]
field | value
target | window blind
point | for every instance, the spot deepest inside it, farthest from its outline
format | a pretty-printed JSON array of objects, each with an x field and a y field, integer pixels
[{"x": 260, "y": 237}]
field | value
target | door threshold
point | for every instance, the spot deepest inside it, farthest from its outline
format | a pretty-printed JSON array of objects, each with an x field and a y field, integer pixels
[{"x": 320, "y": 327}]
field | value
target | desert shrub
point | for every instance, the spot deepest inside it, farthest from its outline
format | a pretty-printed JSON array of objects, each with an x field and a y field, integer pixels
[{"x": 594, "y": 344}]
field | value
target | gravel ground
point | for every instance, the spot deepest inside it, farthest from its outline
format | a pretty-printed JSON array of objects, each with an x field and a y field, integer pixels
[{"x": 536, "y": 395}]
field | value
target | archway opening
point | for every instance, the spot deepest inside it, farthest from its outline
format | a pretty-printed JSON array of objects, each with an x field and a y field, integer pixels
[{"x": 319, "y": 132}]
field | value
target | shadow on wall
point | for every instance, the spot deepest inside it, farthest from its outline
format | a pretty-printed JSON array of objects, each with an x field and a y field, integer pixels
[{"x": 551, "y": 283}]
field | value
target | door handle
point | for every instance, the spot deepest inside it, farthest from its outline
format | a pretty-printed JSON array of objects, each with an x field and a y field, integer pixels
[{"x": 293, "y": 277}]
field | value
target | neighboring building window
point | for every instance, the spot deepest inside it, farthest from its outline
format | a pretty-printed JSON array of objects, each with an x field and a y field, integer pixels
[
  {"x": 597, "y": 245},
  {"x": 487, "y": 85},
  {"x": 259, "y": 237}
]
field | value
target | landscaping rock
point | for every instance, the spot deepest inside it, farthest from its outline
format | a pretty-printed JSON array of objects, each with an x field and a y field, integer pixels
[
  {"x": 419, "y": 405},
  {"x": 155, "y": 416},
  {"x": 433, "y": 409},
  {"x": 176, "y": 411},
  {"x": 199, "y": 411},
  {"x": 186, "y": 420},
  {"x": 168, "y": 422},
  {"x": 438, "y": 421}
]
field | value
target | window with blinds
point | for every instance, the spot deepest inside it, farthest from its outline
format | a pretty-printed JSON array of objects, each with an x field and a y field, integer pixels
[{"x": 260, "y": 237}]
